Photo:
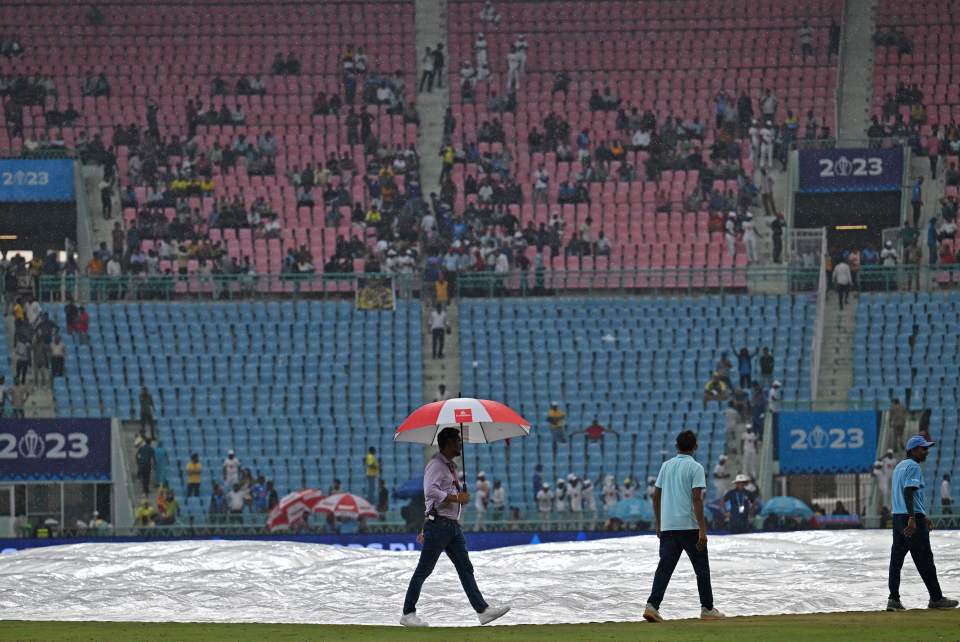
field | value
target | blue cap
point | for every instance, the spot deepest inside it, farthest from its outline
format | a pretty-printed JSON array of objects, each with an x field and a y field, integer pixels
[{"x": 917, "y": 440}]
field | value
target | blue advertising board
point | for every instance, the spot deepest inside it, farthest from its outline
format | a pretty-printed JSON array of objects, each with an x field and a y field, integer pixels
[
  {"x": 54, "y": 450},
  {"x": 23, "y": 180},
  {"x": 827, "y": 442},
  {"x": 851, "y": 170}
]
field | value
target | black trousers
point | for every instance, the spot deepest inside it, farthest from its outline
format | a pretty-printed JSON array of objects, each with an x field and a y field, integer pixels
[
  {"x": 672, "y": 544},
  {"x": 439, "y": 335},
  {"x": 21, "y": 375},
  {"x": 918, "y": 545},
  {"x": 843, "y": 294}
]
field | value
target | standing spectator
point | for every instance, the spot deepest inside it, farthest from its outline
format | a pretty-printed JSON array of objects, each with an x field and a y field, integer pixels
[
  {"x": 611, "y": 494},
  {"x": 21, "y": 351},
  {"x": 231, "y": 469},
  {"x": 932, "y": 240},
  {"x": 766, "y": 368},
  {"x": 194, "y": 474},
  {"x": 556, "y": 419},
  {"x": 730, "y": 234},
  {"x": 766, "y": 145},
  {"x": 933, "y": 153},
  {"x": 750, "y": 239},
  {"x": 776, "y": 227},
  {"x": 372, "y": 465},
  {"x": 738, "y": 505},
  {"x": 898, "y": 420},
  {"x": 58, "y": 355},
  {"x": 575, "y": 496},
  {"x": 438, "y": 64},
  {"x": 946, "y": 498},
  {"x": 537, "y": 478},
  {"x": 236, "y": 500},
  {"x": 744, "y": 365},
  {"x": 911, "y": 531},
  {"x": 842, "y": 279},
  {"x": 888, "y": 256},
  {"x": 678, "y": 507},
  {"x": 544, "y": 502},
  {"x": 883, "y": 483},
  {"x": 273, "y": 498},
  {"x": 834, "y": 38},
  {"x": 438, "y": 330},
  {"x": 720, "y": 476},
  {"x": 541, "y": 180},
  {"x": 427, "y": 64},
  {"x": 748, "y": 450},
  {"x": 560, "y": 504},
  {"x": 383, "y": 498},
  {"x": 916, "y": 200},
  {"x": 766, "y": 192},
  {"x": 806, "y": 39},
  {"x": 145, "y": 461},
  {"x": 589, "y": 499},
  {"x": 146, "y": 410},
  {"x": 513, "y": 70},
  {"x": 498, "y": 500},
  {"x": 41, "y": 360},
  {"x": 161, "y": 460},
  {"x": 18, "y": 399},
  {"x": 482, "y": 500},
  {"x": 773, "y": 398}
]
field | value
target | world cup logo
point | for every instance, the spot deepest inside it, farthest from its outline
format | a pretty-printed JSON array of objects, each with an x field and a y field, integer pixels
[
  {"x": 31, "y": 445},
  {"x": 818, "y": 437},
  {"x": 843, "y": 166}
]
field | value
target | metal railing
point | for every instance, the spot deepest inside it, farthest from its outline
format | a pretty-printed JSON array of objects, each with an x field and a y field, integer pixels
[{"x": 653, "y": 281}]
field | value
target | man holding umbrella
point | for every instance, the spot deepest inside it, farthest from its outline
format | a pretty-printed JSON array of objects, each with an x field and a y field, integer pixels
[{"x": 445, "y": 497}]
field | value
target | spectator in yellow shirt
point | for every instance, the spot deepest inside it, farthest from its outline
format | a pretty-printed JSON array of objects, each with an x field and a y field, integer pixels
[
  {"x": 442, "y": 287},
  {"x": 557, "y": 420},
  {"x": 194, "y": 472},
  {"x": 373, "y": 473},
  {"x": 145, "y": 514}
]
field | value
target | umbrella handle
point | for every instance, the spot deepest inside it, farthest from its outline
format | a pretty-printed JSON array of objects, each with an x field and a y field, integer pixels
[{"x": 463, "y": 457}]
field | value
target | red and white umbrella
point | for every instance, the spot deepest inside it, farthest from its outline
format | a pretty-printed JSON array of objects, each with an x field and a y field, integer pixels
[
  {"x": 346, "y": 505},
  {"x": 481, "y": 422},
  {"x": 292, "y": 508}
]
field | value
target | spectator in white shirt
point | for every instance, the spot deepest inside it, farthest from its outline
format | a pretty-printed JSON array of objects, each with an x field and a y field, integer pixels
[
  {"x": 513, "y": 69},
  {"x": 842, "y": 279},
  {"x": 438, "y": 330},
  {"x": 946, "y": 498},
  {"x": 498, "y": 500},
  {"x": 544, "y": 502},
  {"x": 231, "y": 469},
  {"x": 521, "y": 46},
  {"x": 488, "y": 13},
  {"x": 541, "y": 180}
]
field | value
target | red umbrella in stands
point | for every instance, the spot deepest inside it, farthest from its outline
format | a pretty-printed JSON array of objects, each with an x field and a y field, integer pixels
[
  {"x": 292, "y": 507},
  {"x": 481, "y": 421},
  {"x": 346, "y": 505}
]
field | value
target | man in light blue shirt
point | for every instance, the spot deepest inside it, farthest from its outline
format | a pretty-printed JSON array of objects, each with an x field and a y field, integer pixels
[
  {"x": 681, "y": 527},
  {"x": 911, "y": 530}
]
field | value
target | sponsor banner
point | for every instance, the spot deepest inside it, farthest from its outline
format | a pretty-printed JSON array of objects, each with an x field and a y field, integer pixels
[
  {"x": 826, "y": 442},
  {"x": 54, "y": 450},
  {"x": 851, "y": 170}
]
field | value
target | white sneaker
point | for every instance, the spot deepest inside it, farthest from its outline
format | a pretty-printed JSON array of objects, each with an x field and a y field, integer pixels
[
  {"x": 492, "y": 613},
  {"x": 412, "y": 619},
  {"x": 711, "y": 614},
  {"x": 651, "y": 614}
]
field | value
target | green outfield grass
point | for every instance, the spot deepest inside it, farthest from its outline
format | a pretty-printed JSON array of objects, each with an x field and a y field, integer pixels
[{"x": 912, "y": 626}]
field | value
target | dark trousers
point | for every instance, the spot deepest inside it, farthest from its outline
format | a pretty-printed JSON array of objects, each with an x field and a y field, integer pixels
[
  {"x": 918, "y": 545},
  {"x": 745, "y": 380},
  {"x": 443, "y": 536},
  {"x": 193, "y": 490},
  {"x": 933, "y": 166},
  {"x": 426, "y": 79},
  {"x": 21, "y": 374},
  {"x": 777, "y": 248},
  {"x": 143, "y": 473},
  {"x": 56, "y": 366},
  {"x": 672, "y": 544},
  {"x": 843, "y": 294},
  {"x": 917, "y": 209},
  {"x": 945, "y": 505},
  {"x": 439, "y": 335}
]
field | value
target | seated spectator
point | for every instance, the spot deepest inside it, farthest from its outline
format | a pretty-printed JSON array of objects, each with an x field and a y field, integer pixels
[
  {"x": 953, "y": 175},
  {"x": 561, "y": 82},
  {"x": 715, "y": 390}
]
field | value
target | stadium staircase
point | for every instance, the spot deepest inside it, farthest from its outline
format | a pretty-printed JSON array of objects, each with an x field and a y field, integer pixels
[
  {"x": 92, "y": 175},
  {"x": 836, "y": 363},
  {"x": 444, "y": 371},
  {"x": 855, "y": 84},
  {"x": 431, "y": 16}
]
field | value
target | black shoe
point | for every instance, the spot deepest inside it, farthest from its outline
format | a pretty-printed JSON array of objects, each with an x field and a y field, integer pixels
[
  {"x": 895, "y": 605},
  {"x": 942, "y": 603}
]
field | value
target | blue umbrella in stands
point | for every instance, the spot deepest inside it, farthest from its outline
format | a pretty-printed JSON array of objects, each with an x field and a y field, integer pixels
[
  {"x": 786, "y": 507},
  {"x": 633, "y": 509},
  {"x": 411, "y": 488}
]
